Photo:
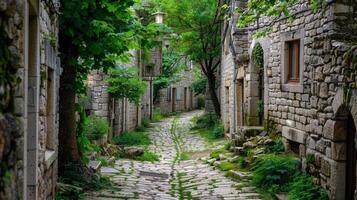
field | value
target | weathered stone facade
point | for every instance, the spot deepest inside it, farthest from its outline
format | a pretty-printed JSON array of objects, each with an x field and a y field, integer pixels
[
  {"x": 178, "y": 96},
  {"x": 313, "y": 110},
  {"x": 31, "y": 28},
  {"x": 121, "y": 114}
]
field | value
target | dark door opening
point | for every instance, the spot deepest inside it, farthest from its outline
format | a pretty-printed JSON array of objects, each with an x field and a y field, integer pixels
[
  {"x": 173, "y": 99},
  {"x": 350, "y": 159}
]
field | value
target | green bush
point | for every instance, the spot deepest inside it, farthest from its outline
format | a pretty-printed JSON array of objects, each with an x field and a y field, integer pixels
[
  {"x": 303, "y": 188},
  {"x": 276, "y": 147},
  {"x": 148, "y": 156},
  {"x": 272, "y": 172},
  {"x": 201, "y": 102},
  {"x": 218, "y": 130},
  {"x": 157, "y": 116},
  {"x": 95, "y": 127},
  {"x": 145, "y": 122},
  {"x": 207, "y": 120},
  {"x": 225, "y": 166},
  {"x": 132, "y": 138},
  {"x": 215, "y": 153}
]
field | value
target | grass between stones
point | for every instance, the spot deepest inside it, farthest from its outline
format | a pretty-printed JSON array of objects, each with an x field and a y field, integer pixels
[
  {"x": 148, "y": 156},
  {"x": 133, "y": 138}
]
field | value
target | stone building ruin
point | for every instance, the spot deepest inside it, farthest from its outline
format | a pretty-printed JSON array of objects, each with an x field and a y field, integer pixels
[{"x": 306, "y": 84}]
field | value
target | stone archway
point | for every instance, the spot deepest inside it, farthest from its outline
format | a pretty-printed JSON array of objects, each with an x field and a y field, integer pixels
[
  {"x": 344, "y": 154},
  {"x": 256, "y": 94},
  {"x": 343, "y": 136}
]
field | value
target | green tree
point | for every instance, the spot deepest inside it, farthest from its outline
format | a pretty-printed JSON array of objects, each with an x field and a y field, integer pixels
[
  {"x": 93, "y": 35},
  {"x": 125, "y": 83},
  {"x": 198, "y": 24},
  {"x": 171, "y": 67}
]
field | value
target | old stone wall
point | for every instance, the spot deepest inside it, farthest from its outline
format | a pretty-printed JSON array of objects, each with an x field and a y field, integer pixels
[
  {"x": 12, "y": 102},
  {"x": 29, "y": 136},
  {"x": 309, "y": 111},
  {"x": 121, "y": 114},
  {"x": 48, "y": 102}
]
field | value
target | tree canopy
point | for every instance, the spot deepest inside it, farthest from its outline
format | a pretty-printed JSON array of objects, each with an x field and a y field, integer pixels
[{"x": 198, "y": 25}]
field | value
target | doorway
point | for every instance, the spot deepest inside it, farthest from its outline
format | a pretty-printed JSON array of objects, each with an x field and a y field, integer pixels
[
  {"x": 185, "y": 99},
  {"x": 239, "y": 106},
  {"x": 173, "y": 100},
  {"x": 350, "y": 158}
]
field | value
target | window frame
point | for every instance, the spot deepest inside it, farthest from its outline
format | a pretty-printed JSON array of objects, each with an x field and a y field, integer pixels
[
  {"x": 294, "y": 44},
  {"x": 287, "y": 85}
]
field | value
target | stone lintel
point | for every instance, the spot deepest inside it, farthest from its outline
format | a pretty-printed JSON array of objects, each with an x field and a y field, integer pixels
[{"x": 294, "y": 134}]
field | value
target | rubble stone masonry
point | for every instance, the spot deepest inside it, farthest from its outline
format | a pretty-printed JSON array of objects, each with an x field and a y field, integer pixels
[{"x": 317, "y": 115}]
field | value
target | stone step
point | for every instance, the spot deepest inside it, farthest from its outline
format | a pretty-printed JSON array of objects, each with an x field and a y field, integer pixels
[{"x": 95, "y": 164}]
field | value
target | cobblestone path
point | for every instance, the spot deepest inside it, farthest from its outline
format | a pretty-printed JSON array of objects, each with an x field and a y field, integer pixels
[{"x": 171, "y": 177}]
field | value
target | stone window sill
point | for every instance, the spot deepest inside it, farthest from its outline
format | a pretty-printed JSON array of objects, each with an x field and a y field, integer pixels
[
  {"x": 50, "y": 157},
  {"x": 292, "y": 87}
]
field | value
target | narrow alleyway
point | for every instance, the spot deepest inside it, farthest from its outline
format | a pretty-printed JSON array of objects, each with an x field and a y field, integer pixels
[{"x": 172, "y": 177}]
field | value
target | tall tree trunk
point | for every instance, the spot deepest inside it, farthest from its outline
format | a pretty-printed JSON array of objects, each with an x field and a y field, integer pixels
[
  {"x": 211, "y": 78},
  {"x": 68, "y": 148}
]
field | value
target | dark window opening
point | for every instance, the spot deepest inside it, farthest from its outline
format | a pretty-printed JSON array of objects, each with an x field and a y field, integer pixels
[{"x": 294, "y": 60}]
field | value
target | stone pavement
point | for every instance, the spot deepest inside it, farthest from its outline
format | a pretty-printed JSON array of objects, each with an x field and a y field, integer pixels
[{"x": 171, "y": 177}]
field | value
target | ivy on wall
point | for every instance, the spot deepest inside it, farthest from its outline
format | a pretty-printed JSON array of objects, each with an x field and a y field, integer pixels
[
  {"x": 8, "y": 78},
  {"x": 258, "y": 56}
]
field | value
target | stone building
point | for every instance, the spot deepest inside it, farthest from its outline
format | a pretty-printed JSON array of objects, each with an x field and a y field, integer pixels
[
  {"x": 178, "y": 96},
  {"x": 29, "y": 113},
  {"x": 305, "y": 82},
  {"x": 121, "y": 114}
]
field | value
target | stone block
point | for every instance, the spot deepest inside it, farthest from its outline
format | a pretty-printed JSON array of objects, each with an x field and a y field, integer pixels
[
  {"x": 337, "y": 180},
  {"x": 335, "y": 131},
  {"x": 294, "y": 134},
  {"x": 325, "y": 168},
  {"x": 338, "y": 151}
]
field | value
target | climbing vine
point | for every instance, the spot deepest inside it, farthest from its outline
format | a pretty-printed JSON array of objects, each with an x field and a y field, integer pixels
[
  {"x": 258, "y": 56},
  {"x": 8, "y": 78}
]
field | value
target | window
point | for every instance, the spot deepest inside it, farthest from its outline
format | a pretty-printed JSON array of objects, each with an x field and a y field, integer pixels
[
  {"x": 294, "y": 60},
  {"x": 178, "y": 94},
  {"x": 169, "y": 94}
]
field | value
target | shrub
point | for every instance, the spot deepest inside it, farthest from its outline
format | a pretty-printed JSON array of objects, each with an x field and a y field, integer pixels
[
  {"x": 225, "y": 166},
  {"x": 303, "y": 188},
  {"x": 157, "y": 116},
  {"x": 215, "y": 153},
  {"x": 218, "y": 130},
  {"x": 148, "y": 156},
  {"x": 145, "y": 122},
  {"x": 207, "y": 120},
  {"x": 201, "y": 102},
  {"x": 95, "y": 127},
  {"x": 228, "y": 146},
  {"x": 276, "y": 147},
  {"x": 272, "y": 172},
  {"x": 132, "y": 138}
]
